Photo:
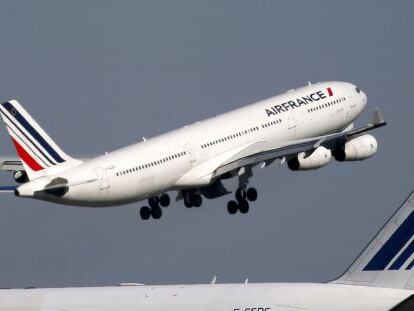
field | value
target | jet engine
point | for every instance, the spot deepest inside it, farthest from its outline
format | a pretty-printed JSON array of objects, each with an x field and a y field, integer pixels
[
  {"x": 357, "y": 149},
  {"x": 319, "y": 157},
  {"x": 20, "y": 177}
]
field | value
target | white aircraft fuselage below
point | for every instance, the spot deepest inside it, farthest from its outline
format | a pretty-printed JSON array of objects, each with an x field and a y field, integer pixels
[
  {"x": 381, "y": 278},
  {"x": 217, "y": 297},
  {"x": 186, "y": 157}
]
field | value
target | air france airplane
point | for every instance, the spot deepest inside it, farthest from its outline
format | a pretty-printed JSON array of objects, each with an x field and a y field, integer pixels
[
  {"x": 304, "y": 128},
  {"x": 380, "y": 279}
]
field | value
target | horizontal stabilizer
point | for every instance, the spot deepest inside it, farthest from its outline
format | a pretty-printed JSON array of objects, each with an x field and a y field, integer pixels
[{"x": 8, "y": 188}]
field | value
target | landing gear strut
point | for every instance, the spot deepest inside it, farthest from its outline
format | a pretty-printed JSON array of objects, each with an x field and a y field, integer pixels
[
  {"x": 241, "y": 204},
  {"x": 154, "y": 208}
]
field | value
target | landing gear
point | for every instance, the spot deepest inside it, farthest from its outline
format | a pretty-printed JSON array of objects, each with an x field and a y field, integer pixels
[
  {"x": 164, "y": 200},
  {"x": 192, "y": 199},
  {"x": 145, "y": 212},
  {"x": 244, "y": 207},
  {"x": 232, "y": 207},
  {"x": 242, "y": 196},
  {"x": 251, "y": 194},
  {"x": 154, "y": 208},
  {"x": 156, "y": 212}
]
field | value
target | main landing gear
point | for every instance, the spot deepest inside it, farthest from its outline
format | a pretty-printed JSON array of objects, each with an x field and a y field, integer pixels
[
  {"x": 154, "y": 208},
  {"x": 243, "y": 196},
  {"x": 192, "y": 199}
]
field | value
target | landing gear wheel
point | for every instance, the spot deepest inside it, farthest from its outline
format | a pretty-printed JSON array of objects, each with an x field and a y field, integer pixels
[
  {"x": 251, "y": 194},
  {"x": 153, "y": 202},
  {"x": 232, "y": 207},
  {"x": 164, "y": 200},
  {"x": 145, "y": 212},
  {"x": 244, "y": 207},
  {"x": 156, "y": 212},
  {"x": 188, "y": 202},
  {"x": 197, "y": 200}
]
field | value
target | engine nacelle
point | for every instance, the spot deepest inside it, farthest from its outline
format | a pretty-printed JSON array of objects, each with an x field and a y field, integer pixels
[
  {"x": 357, "y": 149},
  {"x": 20, "y": 177},
  {"x": 319, "y": 157}
]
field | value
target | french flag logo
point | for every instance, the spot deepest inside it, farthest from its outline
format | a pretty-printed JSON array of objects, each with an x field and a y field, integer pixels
[{"x": 330, "y": 93}]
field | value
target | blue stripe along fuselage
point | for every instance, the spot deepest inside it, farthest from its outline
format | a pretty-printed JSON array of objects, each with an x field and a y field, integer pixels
[
  {"x": 35, "y": 134},
  {"x": 393, "y": 245}
]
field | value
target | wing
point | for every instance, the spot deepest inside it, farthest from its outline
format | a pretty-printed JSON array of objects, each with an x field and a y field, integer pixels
[{"x": 270, "y": 153}]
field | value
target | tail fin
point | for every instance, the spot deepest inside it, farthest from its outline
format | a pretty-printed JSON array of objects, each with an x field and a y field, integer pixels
[
  {"x": 35, "y": 148},
  {"x": 388, "y": 260}
]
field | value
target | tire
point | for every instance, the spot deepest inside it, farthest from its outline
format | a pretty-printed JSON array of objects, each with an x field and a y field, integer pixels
[
  {"x": 188, "y": 203},
  {"x": 156, "y": 212},
  {"x": 251, "y": 194},
  {"x": 145, "y": 213},
  {"x": 197, "y": 200},
  {"x": 153, "y": 202},
  {"x": 232, "y": 207},
  {"x": 164, "y": 200},
  {"x": 240, "y": 194},
  {"x": 244, "y": 207}
]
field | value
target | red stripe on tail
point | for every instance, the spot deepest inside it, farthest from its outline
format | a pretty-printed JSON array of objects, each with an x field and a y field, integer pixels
[
  {"x": 330, "y": 93},
  {"x": 27, "y": 158}
]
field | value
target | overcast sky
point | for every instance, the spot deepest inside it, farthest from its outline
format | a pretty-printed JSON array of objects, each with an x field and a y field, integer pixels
[{"x": 98, "y": 75}]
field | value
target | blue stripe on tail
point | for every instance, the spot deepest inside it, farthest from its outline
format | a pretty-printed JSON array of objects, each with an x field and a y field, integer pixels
[
  {"x": 396, "y": 265},
  {"x": 394, "y": 244}
]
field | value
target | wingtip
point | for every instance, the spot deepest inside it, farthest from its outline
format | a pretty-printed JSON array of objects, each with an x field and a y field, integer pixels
[{"x": 378, "y": 117}]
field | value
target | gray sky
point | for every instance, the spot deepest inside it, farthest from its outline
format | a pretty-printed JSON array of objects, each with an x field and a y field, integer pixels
[{"x": 98, "y": 75}]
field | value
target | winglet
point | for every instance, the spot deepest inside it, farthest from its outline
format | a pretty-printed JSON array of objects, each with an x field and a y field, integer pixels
[{"x": 378, "y": 117}]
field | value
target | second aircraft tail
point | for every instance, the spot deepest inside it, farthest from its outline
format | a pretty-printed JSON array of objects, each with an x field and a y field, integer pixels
[{"x": 388, "y": 260}]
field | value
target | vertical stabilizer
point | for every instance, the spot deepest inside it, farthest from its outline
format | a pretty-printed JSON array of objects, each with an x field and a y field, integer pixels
[
  {"x": 35, "y": 148},
  {"x": 388, "y": 260}
]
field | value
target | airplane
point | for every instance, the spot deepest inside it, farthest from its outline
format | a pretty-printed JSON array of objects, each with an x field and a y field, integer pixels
[
  {"x": 381, "y": 278},
  {"x": 304, "y": 128}
]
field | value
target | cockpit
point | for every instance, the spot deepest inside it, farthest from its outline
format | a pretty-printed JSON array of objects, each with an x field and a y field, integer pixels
[{"x": 357, "y": 89}]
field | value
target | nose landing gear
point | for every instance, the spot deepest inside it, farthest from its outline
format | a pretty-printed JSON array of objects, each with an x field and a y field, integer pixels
[
  {"x": 154, "y": 208},
  {"x": 243, "y": 196}
]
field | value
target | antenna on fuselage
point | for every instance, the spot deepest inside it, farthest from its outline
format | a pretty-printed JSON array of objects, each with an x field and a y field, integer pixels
[
  {"x": 309, "y": 83},
  {"x": 144, "y": 139},
  {"x": 213, "y": 281}
]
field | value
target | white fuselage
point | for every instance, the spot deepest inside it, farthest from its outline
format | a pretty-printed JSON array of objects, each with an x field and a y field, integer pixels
[
  {"x": 217, "y": 297},
  {"x": 161, "y": 163}
]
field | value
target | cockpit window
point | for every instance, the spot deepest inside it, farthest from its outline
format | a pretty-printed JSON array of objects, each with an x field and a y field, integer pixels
[{"x": 358, "y": 90}]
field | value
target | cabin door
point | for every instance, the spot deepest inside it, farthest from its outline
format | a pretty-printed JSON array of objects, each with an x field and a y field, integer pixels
[{"x": 102, "y": 178}]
